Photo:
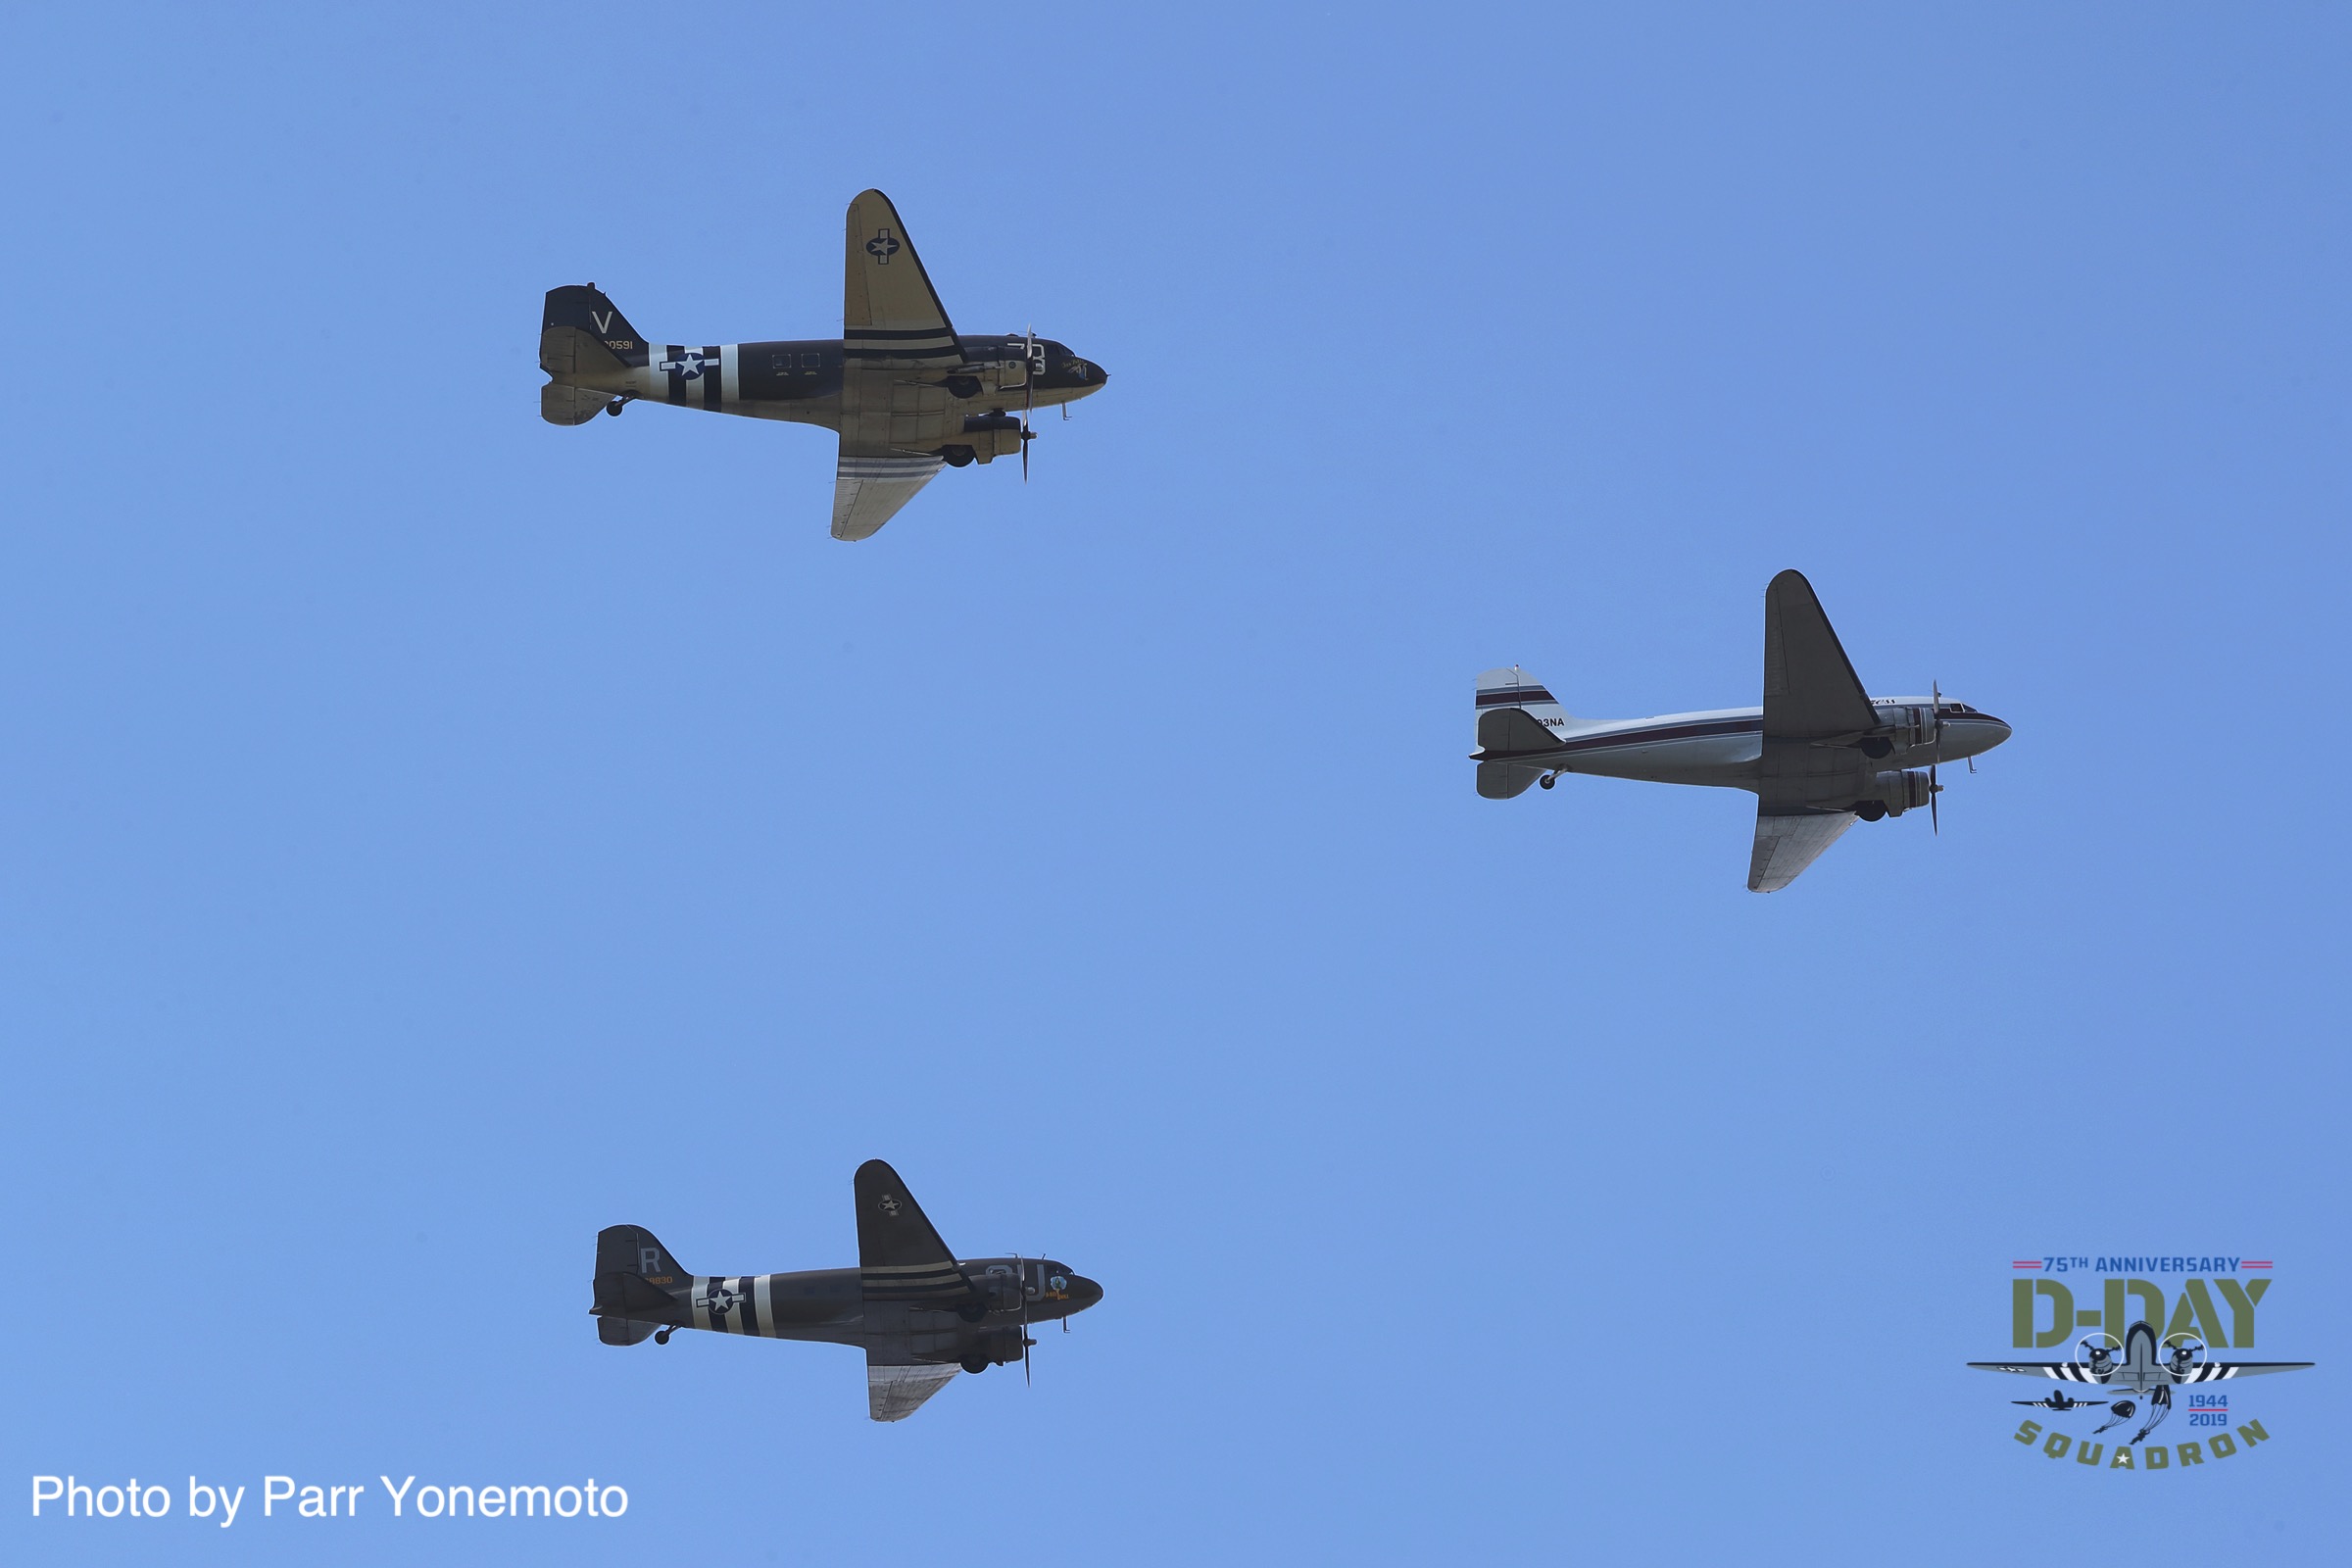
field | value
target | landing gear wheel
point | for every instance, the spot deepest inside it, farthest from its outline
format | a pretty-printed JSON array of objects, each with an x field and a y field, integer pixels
[
  {"x": 972, "y": 1311},
  {"x": 660, "y": 1336},
  {"x": 975, "y": 1363},
  {"x": 1870, "y": 811},
  {"x": 964, "y": 386},
  {"x": 615, "y": 406},
  {"x": 957, "y": 457},
  {"x": 1549, "y": 780}
]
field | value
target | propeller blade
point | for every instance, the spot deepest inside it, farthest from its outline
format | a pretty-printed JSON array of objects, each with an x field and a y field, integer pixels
[
  {"x": 1934, "y": 756},
  {"x": 1029, "y": 400}
]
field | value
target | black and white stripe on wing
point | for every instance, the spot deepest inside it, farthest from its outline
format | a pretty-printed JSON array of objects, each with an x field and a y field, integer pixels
[
  {"x": 922, "y": 346},
  {"x": 913, "y": 1282},
  {"x": 895, "y": 466}
]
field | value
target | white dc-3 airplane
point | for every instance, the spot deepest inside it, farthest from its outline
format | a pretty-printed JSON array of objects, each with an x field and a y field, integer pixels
[{"x": 1818, "y": 753}]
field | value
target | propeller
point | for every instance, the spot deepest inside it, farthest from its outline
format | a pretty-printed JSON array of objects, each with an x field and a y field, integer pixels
[
  {"x": 1028, "y": 407},
  {"x": 1021, "y": 1284},
  {"x": 1935, "y": 756}
]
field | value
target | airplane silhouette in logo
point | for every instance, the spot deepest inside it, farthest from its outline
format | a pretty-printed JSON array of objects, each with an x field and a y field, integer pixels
[
  {"x": 2144, "y": 1370},
  {"x": 2056, "y": 1400}
]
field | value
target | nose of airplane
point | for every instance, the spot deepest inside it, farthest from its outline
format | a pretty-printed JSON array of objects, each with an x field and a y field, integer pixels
[
  {"x": 1084, "y": 1293},
  {"x": 1997, "y": 732},
  {"x": 1096, "y": 376}
]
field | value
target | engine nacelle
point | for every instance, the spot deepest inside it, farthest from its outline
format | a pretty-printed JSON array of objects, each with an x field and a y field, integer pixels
[
  {"x": 991, "y": 435},
  {"x": 1898, "y": 791},
  {"x": 995, "y": 1348}
]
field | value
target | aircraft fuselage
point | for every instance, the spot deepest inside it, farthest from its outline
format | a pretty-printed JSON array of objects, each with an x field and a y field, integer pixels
[
  {"x": 827, "y": 1305},
  {"x": 801, "y": 381},
  {"x": 1725, "y": 746}
]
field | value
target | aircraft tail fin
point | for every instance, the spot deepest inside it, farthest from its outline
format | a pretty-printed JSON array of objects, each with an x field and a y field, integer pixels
[
  {"x": 1515, "y": 717},
  {"x": 1516, "y": 688},
  {"x": 587, "y": 348},
  {"x": 636, "y": 1281},
  {"x": 584, "y": 308}
]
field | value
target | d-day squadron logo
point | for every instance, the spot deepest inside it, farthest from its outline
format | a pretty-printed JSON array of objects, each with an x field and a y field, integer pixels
[{"x": 2129, "y": 1355}]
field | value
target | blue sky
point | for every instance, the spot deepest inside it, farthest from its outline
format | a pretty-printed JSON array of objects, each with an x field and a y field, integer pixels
[{"x": 438, "y": 835}]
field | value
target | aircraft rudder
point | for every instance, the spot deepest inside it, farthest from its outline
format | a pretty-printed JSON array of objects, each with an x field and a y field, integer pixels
[
  {"x": 588, "y": 309},
  {"x": 634, "y": 1250},
  {"x": 1514, "y": 687},
  {"x": 636, "y": 1285}
]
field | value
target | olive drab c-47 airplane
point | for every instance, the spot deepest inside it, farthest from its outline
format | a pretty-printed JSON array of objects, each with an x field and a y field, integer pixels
[
  {"x": 904, "y": 390},
  {"x": 1819, "y": 754},
  {"x": 918, "y": 1311},
  {"x": 2143, "y": 1370}
]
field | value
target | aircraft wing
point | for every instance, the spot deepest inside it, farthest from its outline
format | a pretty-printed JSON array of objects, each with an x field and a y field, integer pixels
[
  {"x": 897, "y": 343},
  {"x": 1810, "y": 689},
  {"x": 2216, "y": 1371},
  {"x": 868, "y": 489},
  {"x": 899, "y": 1256},
  {"x": 895, "y": 1393},
  {"x": 890, "y": 315},
  {"x": 2055, "y": 1371},
  {"x": 1787, "y": 844}
]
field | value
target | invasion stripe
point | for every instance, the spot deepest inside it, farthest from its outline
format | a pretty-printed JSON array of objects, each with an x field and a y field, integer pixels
[
  {"x": 901, "y": 469},
  {"x": 935, "y": 1267}
]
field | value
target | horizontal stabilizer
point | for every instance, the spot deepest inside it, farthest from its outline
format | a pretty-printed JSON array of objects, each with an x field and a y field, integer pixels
[
  {"x": 1509, "y": 732},
  {"x": 560, "y": 403},
  {"x": 1499, "y": 781},
  {"x": 623, "y": 1331},
  {"x": 624, "y": 1294}
]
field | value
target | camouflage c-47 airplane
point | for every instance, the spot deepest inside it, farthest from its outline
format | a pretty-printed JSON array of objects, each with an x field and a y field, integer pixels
[
  {"x": 904, "y": 389},
  {"x": 918, "y": 1311}
]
